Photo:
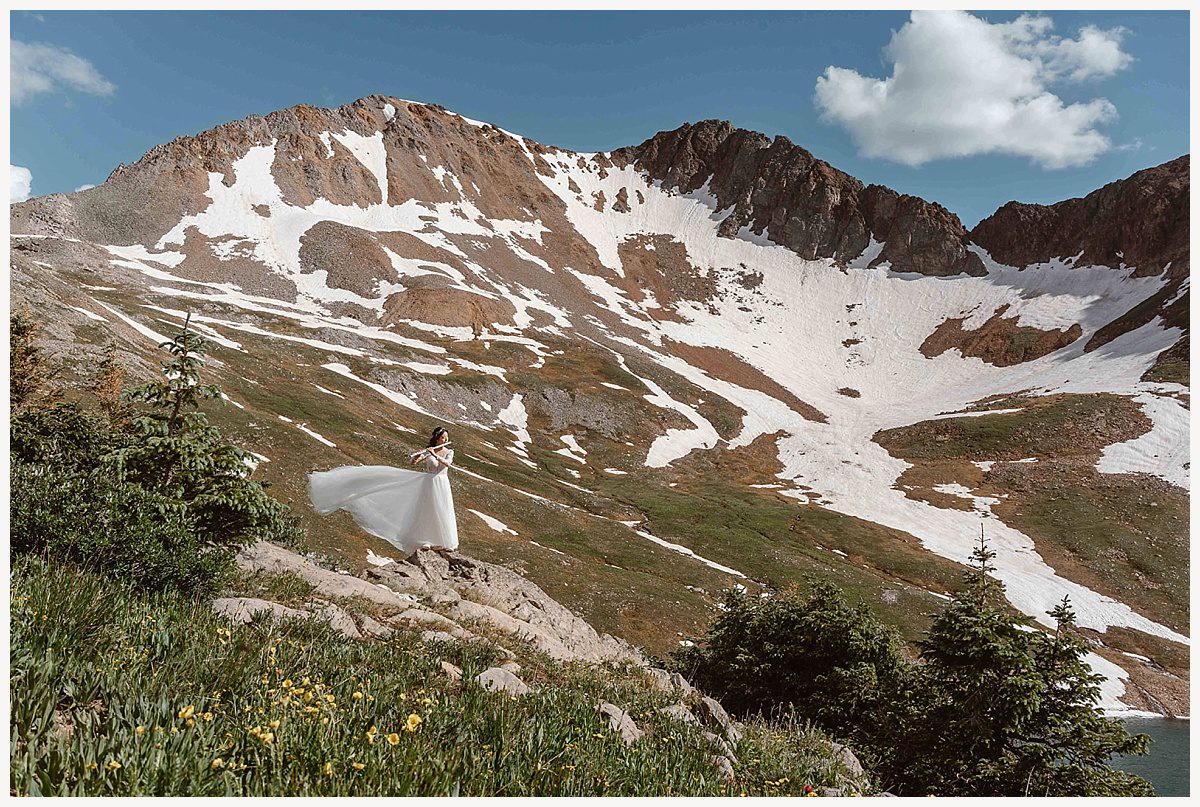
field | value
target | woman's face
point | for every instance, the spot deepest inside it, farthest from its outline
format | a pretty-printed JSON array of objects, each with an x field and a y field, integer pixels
[{"x": 445, "y": 437}]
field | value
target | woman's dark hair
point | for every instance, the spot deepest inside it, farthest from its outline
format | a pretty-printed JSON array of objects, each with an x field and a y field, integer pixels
[{"x": 437, "y": 435}]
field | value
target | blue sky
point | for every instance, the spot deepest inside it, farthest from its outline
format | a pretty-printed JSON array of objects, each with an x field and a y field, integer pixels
[{"x": 599, "y": 80}]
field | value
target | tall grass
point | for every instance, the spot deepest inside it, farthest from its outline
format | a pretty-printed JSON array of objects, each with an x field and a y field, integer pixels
[{"x": 119, "y": 692}]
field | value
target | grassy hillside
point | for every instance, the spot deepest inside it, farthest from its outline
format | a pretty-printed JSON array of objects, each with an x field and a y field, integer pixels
[{"x": 115, "y": 692}]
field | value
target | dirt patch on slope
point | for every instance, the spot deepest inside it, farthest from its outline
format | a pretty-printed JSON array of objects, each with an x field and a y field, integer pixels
[
  {"x": 726, "y": 366},
  {"x": 1000, "y": 341},
  {"x": 305, "y": 170},
  {"x": 351, "y": 258},
  {"x": 228, "y": 259},
  {"x": 448, "y": 307},
  {"x": 659, "y": 264}
]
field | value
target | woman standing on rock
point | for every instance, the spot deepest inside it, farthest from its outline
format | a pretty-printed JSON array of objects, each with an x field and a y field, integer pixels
[{"x": 410, "y": 509}]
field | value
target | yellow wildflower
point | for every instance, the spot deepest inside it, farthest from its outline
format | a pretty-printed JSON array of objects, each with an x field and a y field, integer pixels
[
  {"x": 287, "y": 683},
  {"x": 113, "y": 765},
  {"x": 357, "y": 696},
  {"x": 358, "y": 766},
  {"x": 187, "y": 712},
  {"x": 327, "y": 769},
  {"x": 274, "y": 724},
  {"x": 267, "y": 737},
  {"x": 393, "y": 739},
  {"x": 140, "y": 730},
  {"x": 218, "y": 763},
  {"x": 208, "y": 716},
  {"x": 413, "y": 723},
  {"x": 329, "y": 699}
]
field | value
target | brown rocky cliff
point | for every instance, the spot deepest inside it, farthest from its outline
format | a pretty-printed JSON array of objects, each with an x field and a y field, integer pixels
[
  {"x": 801, "y": 202},
  {"x": 1139, "y": 221}
]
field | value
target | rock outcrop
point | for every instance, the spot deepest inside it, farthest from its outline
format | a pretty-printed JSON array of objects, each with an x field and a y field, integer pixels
[
  {"x": 1140, "y": 221},
  {"x": 489, "y": 598},
  {"x": 779, "y": 191}
]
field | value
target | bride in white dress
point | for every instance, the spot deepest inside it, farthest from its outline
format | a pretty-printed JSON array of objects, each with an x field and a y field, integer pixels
[{"x": 410, "y": 509}]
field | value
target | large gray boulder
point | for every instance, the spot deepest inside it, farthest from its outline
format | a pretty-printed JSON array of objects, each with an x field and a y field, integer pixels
[
  {"x": 272, "y": 559},
  {"x": 243, "y": 609},
  {"x": 552, "y": 626},
  {"x": 620, "y": 722},
  {"x": 495, "y": 679}
]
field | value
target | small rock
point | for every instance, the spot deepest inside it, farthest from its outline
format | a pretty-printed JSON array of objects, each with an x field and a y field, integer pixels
[
  {"x": 512, "y": 666},
  {"x": 374, "y": 629},
  {"x": 495, "y": 679},
  {"x": 721, "y": 743},
  {"x": 660, "y": 680},
  {"x": 437, "y": 636},
  {"x": 452, "y": 671},
  {"x": 677, "y": 711},
  {"x": 663, "y": 681},
  {"x": 681, "y": 684},
  {"x": 338, "y": 618},
  {"x": 845, "y": 756},
  {"x": 724, "y": 766},
  {"x": 832, "y": 792},
  {"x": 243, "y": 609},
  {"x": 715, "y": 713},
  {"x": 621, "y": 723},
  {"x": 420, "y": 618}
]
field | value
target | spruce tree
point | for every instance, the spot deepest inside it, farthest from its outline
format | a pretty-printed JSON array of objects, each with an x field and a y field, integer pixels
[
  {"x": 1010, "y": 709},
  {"x": 178, "y": 455}
]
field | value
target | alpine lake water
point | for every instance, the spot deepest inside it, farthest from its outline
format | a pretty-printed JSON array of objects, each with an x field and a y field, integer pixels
[{"x": 1166, "y": 766}]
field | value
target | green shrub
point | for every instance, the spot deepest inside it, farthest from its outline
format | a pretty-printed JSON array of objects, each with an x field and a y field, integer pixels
[
  {"x": 97, "y": 523},
  {"x": 160, "y": 500},
  {"x": 814, "y": 655},
  {"x": 176, "y": 453},
  {"x": 992, "y": 706},
  {"x": 29, "y": 371},
  {"x": 1010, "y": 710}
]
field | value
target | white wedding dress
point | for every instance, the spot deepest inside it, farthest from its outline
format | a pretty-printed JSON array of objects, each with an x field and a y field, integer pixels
[{"x": 410, "y": 509}]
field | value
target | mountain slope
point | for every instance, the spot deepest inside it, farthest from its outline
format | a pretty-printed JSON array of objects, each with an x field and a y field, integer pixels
[{"x": 708, "y": 359}]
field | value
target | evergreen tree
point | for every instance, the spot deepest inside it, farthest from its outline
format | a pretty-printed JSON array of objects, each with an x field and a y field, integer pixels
[
  {"x": 1010, "y": 709},
  {"x": 176, "y": 454},
  {"x": 816, "y": 655}
]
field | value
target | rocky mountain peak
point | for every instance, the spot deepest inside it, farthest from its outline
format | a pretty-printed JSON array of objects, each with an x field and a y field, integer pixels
[
  {"x": 777, "y": 190},
  {"x": 1139, "y": 221}
]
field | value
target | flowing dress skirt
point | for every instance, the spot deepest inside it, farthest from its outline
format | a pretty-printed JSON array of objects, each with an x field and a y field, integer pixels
[{"x": 410, "y": 509}]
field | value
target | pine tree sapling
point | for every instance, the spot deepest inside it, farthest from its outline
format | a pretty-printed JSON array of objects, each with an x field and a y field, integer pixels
[{"x": 178, "y": 455}]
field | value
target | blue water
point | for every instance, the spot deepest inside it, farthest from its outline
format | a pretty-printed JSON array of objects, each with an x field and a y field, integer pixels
[{"x": 1166, "y": 766}]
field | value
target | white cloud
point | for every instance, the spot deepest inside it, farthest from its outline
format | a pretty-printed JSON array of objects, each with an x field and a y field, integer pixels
[
  {"x": 84, "y": 188},
  {"x": 37, "y": 67},
  {"x": 20, "y": 183},
  {"x": 962, "y": 86}
]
